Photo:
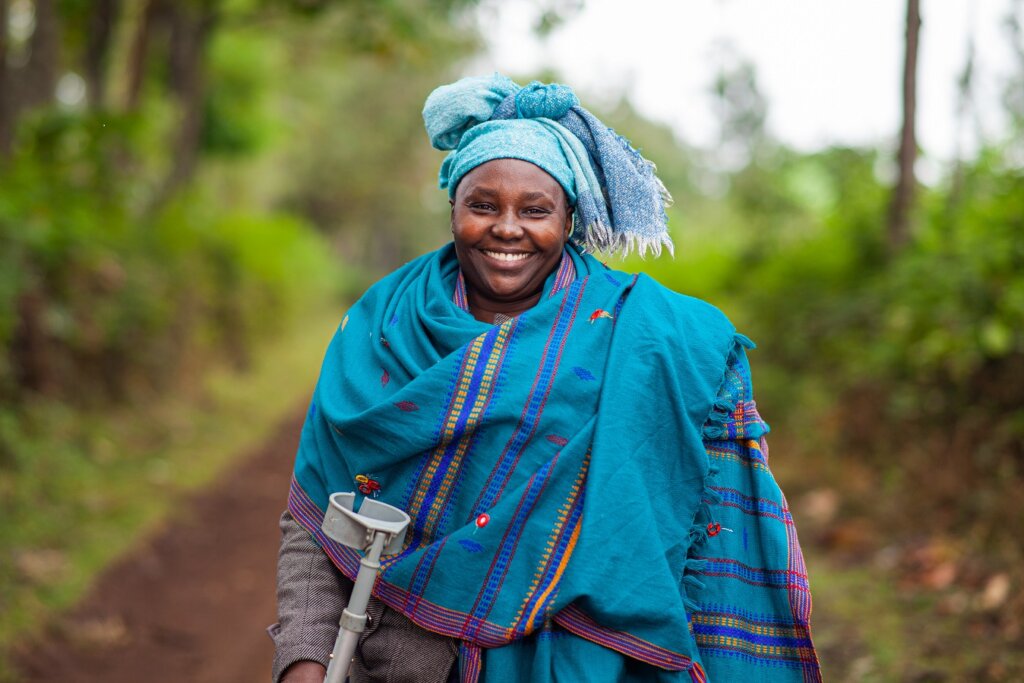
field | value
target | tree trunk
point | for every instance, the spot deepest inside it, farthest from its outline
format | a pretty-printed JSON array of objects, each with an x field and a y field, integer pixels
[
  {"x": 191, "y": 30},
  {"x": 38, "y": 79},
  {"x": 35, "y": 83},
  {"x": 139, "y": 53},
  {"x": 97, "y": 49},
  {"x": 29, "y": 347},
  {"x": 964, "y": 111},
  {"x": 6, "y": 125},
  {"x": 903, "y": 194}
]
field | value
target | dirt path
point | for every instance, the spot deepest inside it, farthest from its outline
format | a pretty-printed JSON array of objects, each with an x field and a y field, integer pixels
[{"x": 193, "y": 603}]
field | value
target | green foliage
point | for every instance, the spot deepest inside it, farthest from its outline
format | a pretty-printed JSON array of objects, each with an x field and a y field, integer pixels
[
  {"x": 963, "y": 294},
  {"x": 237, "y": 120},
  {"x": 99, "y": 297},
  {"x": 933, "y": 335}
]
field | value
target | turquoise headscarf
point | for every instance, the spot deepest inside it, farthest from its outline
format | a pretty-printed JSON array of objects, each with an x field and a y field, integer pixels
[
  {"x": 619, "y": 201},
  {"x": 527, "y": 139}
]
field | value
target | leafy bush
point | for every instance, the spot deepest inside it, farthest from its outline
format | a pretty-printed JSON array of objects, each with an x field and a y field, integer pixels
[{"x": 98, "y": 298}]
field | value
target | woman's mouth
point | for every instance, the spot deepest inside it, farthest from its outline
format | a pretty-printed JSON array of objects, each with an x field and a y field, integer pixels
[{"x": 506, "y": 256}]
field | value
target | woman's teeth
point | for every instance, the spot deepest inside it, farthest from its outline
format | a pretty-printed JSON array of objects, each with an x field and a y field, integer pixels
[{"x": 504, "y": 256}]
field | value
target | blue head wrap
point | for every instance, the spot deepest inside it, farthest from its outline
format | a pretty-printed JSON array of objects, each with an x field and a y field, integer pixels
[
  {"x": 620, "y": 203},
  {"x": 527, "y": 139}
]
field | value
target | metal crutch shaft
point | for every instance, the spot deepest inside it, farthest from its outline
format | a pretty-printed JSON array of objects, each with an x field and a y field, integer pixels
[
  {"x": 377, "y": 529},
  {"x": 353, "y": 617}
]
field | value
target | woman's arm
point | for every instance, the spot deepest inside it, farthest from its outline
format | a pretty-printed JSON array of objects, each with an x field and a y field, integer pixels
[{"x": 311, "y": 593}]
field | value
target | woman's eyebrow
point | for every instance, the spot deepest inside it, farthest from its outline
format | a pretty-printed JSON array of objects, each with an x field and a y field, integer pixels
[{"x": 530, "y": 196}]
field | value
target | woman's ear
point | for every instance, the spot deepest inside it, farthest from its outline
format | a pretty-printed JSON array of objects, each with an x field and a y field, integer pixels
[{"x": 570, "y": 223}]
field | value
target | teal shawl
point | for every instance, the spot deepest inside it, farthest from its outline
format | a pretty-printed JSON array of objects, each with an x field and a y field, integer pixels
[{"x": 554, "y": 467}]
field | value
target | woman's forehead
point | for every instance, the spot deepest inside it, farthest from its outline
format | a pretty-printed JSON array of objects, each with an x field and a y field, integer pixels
[{"x": 521, "y": 177}]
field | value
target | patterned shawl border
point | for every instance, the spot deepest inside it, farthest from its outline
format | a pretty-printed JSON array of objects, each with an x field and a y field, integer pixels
[
  {"x": 758, "y": 507},
  {"x": 572, "y": 619},
  {"x": 446, "y": 456},
  {"x": 537, "y": 398},
  {"x": 790, "y": 579},
  {"x": 502, "y": 561},
  {"x": 427, "y": 496},
  {"x": 748, "y": 453},
  {"x": 470, "y": 662},
  {"x": 800, "y": 600},
  {"x": 762, "y": 640},
  {"x": 476, "y": 385},
  {"x": 558, "y": 551},
  {"x": 430, "y": 616},
  {"x": 452, "y": 623},
  {"x": 564, "y": 277}
]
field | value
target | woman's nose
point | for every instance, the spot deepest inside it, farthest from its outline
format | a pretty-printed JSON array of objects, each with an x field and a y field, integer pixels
[{"x": 507, "y": 226}]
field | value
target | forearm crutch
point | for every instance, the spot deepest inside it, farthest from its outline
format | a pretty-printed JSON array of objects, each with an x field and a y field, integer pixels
[{"x": 377, "y": 529}]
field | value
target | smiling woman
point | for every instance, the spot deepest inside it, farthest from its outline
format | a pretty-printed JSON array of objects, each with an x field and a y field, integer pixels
[{"x": 577, "y": 447}]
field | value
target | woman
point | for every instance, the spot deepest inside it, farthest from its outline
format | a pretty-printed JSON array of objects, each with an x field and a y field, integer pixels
[{"x": 578, "y": 447}]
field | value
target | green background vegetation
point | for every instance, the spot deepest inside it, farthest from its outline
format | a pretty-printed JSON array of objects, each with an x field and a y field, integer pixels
[{"x": 180, "y": 229}]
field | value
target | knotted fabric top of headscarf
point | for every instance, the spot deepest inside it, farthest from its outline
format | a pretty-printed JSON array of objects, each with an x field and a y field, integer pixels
[{"x": 619, "y": 201}]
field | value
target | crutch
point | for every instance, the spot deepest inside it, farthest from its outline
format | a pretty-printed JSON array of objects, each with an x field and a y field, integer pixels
[{"x": 377, "y": 529}]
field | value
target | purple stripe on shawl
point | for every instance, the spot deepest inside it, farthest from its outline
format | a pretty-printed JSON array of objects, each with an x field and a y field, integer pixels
[
  {"x": 513, "y": 533},
  {"x": 536, "y": 399},
  {"x": 572, "y": 619},
  {"x": 800, "y": 600},
  {"x": 788, "y": 579},
  {"x": 551, "y": 567},
  {"x": 565, "y": 275},
  {"x": 761, "y": 507}
]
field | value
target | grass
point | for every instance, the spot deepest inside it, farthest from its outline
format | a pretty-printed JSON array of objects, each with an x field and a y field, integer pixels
[
  {"x": 894, "y": 601},
  {"x": 83, "y": 489},
  {"x": 869, "y": 626}
]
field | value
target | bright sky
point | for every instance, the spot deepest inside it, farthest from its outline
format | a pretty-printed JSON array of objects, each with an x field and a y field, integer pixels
[{"x": 830, "y": 69}]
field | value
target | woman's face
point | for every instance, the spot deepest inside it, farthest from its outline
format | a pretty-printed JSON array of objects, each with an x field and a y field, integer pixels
[{"x": 510, "y": 221}]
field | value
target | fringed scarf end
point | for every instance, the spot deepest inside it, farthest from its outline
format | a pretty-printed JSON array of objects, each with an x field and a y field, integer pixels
[{"x": 598, "y": 236}]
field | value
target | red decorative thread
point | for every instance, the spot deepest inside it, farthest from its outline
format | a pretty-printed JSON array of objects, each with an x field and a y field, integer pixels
[
  {"x": 482, "y": 520},
  {"x": 557, "y": 440},
  {"x": 385, "y": 378},
  {"x": 714, "y": 528},
  {"x": 599, "y": 313},
  {"x": 407, "y": 406}
]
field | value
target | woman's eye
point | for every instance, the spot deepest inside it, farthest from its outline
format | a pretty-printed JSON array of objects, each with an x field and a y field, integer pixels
[
  {"x": 481, "y": 207},
  {"x": 537, "y": 211}
]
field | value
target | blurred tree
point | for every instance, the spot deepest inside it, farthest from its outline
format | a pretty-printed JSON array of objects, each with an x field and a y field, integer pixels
[
  {"x": 964, "y": 111},
  {"x": 5, "y": 121},
  {"x": 1013, "y": 91},
  {"x": 741, "y": 108},
  {"x": 906, "y": 183},
  {"x": 191, "y": 26},
  {"x": 554, "y": 13},
  {"x": 102, "y": 21}
]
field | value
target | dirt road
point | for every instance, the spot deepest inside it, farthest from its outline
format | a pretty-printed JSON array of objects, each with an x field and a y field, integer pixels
[{"x": 192, "y": 605}]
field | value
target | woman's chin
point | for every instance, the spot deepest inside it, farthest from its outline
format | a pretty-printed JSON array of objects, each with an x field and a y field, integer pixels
[{"x": 509, "y": 291}]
